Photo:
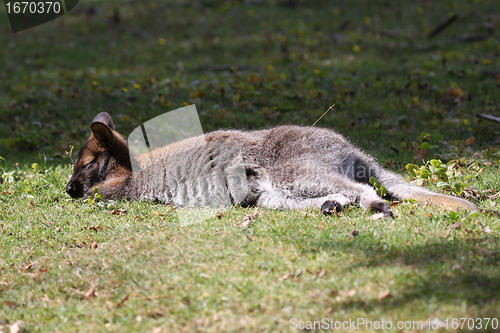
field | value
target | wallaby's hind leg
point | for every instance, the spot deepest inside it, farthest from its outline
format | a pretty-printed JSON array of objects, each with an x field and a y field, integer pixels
[
  {"x": 303, "y": 186},
  {"x": 333, "y": 203},
  {"x": 333, "y": 206},
  {"x": 277, "y": 199}
]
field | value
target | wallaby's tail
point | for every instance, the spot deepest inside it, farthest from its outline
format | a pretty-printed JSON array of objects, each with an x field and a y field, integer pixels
[{"x": 401, "y": 189}]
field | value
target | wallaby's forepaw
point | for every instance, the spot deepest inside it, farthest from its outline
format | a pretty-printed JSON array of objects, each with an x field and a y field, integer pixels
[
  {"x": 330, "y": 207},
  {"x": 382, "y": 207}
]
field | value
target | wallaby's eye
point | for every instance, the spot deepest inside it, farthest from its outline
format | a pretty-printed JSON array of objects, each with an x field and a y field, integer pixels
[{"x": 88, "y": 165}]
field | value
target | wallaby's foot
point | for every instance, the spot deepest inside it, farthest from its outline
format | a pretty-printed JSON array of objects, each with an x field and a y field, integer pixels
[
  {"x": 330, "y": 207},
  {"x": 382, "y": 207}
]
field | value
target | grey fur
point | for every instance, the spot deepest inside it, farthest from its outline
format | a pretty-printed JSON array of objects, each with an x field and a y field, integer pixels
[{"x": 287, "y": 167}]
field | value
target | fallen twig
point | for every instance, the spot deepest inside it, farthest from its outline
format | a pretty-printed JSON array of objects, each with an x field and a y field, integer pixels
[
  {"x": 443, "y": 25},
  {"x": 488, "y": 117}
]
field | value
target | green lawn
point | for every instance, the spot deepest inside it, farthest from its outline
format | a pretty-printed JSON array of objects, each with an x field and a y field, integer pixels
[{"x": 77, "y": 266}]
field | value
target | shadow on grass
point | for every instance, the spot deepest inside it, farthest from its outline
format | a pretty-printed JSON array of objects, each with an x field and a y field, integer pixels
[{"x": 440, "y": 269}]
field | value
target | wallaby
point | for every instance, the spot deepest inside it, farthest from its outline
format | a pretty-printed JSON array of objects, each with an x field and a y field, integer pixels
[{"x": 286, "y": 167}]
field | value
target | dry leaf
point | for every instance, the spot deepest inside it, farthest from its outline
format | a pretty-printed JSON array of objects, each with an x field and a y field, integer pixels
[
  {"x": 377, "y": 216},
  {"x": 454, "y": 92},
  {"x": 90, "y": 293},
  {"x": 30, "y": 266},
  {"x": 419, "y": 154},
  {"x": 249, "y": 218},
  {"x": 94, "y": 245},
  {"x": 123, "y": 300},
  {"x": 320, "y": 273},
  {"x": 284, "y": 277},
  {"x": 17, "y": 326},
  {"x": 119, "y": 212},
  {"x": 196, "y": 94},
  {"x": 455, "y": 95},
  {"x": 454, "y": 226},
  {"x": 10, "y": 304},
  {"x": 384, "y": 294},
  {"x": 321, "y": 225},
  {"x": 470, "y": 141},
  {"x": 157, "y": 330},
  {"x": 350, "y": 292},
  {"x": 470, "y": 193},
  {"x": 95, "y": 228},
  {"x": 290, "y": 275}
]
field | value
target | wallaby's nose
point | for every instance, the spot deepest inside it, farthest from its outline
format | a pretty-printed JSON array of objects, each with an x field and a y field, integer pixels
[
  {"x": 69, "y": 189},
  {"x": 73, "y": 190}
]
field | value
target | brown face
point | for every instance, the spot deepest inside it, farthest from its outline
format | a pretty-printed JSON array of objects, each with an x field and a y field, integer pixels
[
  {"x": 89, "y": 169},
  {"x": 103, "y": 160}
]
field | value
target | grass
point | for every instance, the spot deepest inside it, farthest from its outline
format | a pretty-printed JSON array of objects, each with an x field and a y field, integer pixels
[{"x": 71, "y": 265}]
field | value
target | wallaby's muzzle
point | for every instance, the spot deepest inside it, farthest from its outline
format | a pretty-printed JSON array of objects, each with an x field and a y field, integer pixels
[{"x": 74, "y": 189}]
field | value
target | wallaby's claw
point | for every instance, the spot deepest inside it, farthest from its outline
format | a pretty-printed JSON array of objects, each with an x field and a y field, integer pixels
[
  {"x": 331, "y": 206},
  {"x": 382, "y": 207}
]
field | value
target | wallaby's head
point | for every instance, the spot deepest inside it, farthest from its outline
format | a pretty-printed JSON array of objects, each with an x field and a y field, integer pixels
[{"x": 102, "y": 162}]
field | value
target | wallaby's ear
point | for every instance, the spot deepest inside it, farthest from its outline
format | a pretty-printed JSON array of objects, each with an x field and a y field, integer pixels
[
  {"x": 104, "y": 118},
  {"x": 102, "y": 131}
]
